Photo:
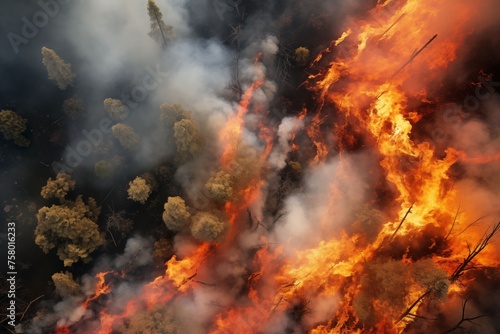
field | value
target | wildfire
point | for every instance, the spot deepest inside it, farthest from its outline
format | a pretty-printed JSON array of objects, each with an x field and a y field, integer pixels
[
  {"x": 371, "y": 90},
  {"x": 386, "y": 64},
  {"x": 230, "y": 134},
  {"x": 180, "y": 271},
  {"x": 102, "y": 288}
]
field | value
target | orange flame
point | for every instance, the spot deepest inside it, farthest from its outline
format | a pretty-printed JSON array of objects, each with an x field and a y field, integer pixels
[
  {"x": 231, "y": 133},
  {"x": 62, "y": 330},
  {"x": 102, "y": 288}
]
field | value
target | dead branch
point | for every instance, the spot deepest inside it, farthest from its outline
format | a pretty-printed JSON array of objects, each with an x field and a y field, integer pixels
[
  {"x": 112, "y": 237},
  {"x": 277, "y": 304},
  {"x": 235, "y": 33},
  {"x": 250, "y": 218},
  {"x": 133, "y": 259},
  {"x": 118, "y": 222},
  {"x": 27, "y": 307},
  {"x": 284, "y": 65},
  {"x": 414, "y": 55},
  {"x": 108, "y": 195},
  {"x": 473, "y": 252},
  {"x": 392, "y": 26},
  {"x": 419, "y": 299},
  {"x": 464, "y": 319},
  {"x": 10, "y": 330},
  {"x": 401, "y": 223},
  {"x": 278, "y": 217},
  {"x": 413, "y": 315},
  {"x": 471, "y": 224},
  {"x": 453, "y": 224},
  {"x": 204, "y": 283},
  {"x": 161, "y": 30}
]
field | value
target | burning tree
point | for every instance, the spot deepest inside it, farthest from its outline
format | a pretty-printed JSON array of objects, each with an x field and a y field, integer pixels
[
  {"x": 387, "y": 287},
  {"x": 160, "y": 319}
]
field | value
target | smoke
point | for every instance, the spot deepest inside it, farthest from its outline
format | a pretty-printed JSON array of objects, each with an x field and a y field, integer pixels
[
  {"x": 287, "y": 128},
  {"x": 478, "y": 187},
  {"x": 336, "y": 190},
  {"x": 138, "y": 251}
]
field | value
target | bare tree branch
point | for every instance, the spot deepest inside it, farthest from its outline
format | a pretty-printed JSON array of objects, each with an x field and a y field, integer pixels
[
  {"x": 472, "y": 253},
  {"x": 464, "y": 319},
  {"x": 27, "y": 307},
  {"x": 453, "y": 224},
  {"x": 410, "y": 308},
  {"x": 401, "y": 223}
]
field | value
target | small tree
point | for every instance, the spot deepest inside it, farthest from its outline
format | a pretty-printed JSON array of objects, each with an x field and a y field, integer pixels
[
  {"x": 71, "y": 228},
  {"x": 66, "y": 286},
  {"x": 173, "y": 113},
  {"x": 59, "y": 187},
  {"x": 176, "y": 214},
  {"x": 12, "y": 126},
  {"x": 116, "y": 108},
  {"x": 159, "y": 319},
  {"x": 187, "y": 140},
  {"x": 127, "y": 137},
  {"x": 220, "y": 186},
  {"x": 139, "y": 190},
  {"x": 302, "y": 56},
  {"x": 58, "y": 70},
  {"x": 103, "y": 169},
  {"x": 160, "y": 31},
  {"x": 73, "y": 107},
  {"x": 118, "y": 222},
  {"x": 209, "y": 227}
]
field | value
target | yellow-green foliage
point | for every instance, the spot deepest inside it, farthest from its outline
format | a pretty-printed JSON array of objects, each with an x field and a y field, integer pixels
[
  {"x": 65, "y": 285},
  {"x": 70, "y": 228},
  {"x": 126, "y": 136},
  {"x": 12, "y": 126},
  {"x": 301, "y": 56},
  {"x": 209, "y": 227},
  {"x": 73, "y": 107},
  {"x": 160, "y": 319},
  {"x": 58, "y": 70},
  {"x": 139, "y": 190},
  {"x": 59, "y": 187},
  {"x": 115, "y": 108},
  {"x": 176, "y": 215}
]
